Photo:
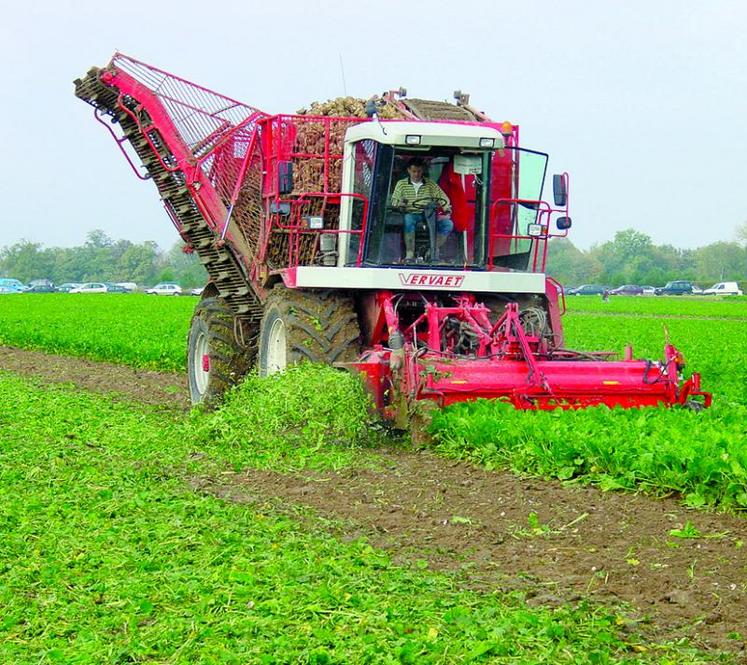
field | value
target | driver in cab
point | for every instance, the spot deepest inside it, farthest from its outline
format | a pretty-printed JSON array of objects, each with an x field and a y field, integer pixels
[{"x": 413, "y": 195}]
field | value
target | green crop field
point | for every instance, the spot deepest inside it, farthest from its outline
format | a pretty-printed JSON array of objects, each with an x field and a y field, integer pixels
[
  {"x": 732, "y": 307},
  {"x": 134, "y": 329},
  {"x": 699, "y": 456},
  {"x": 651, "y": 450},
  {"x": 110, "y": 555}
]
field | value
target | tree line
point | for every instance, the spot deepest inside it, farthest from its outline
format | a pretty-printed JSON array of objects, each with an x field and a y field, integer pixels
[
  {"x": 631, "y": 257},
  {"x": 102, "y": 259}
]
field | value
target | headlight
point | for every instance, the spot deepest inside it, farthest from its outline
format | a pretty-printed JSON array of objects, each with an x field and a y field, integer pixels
[{"x": 536, "y": 230}]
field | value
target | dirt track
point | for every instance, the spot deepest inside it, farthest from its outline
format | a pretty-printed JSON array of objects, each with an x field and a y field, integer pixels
[
  {"x": 165, "y": 388},
  {"x": 584, "y": 544}
]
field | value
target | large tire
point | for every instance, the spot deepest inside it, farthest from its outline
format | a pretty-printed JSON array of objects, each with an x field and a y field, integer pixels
[
  {"x": 316, "y": 326},
  {"x": 216, "y": 359}
]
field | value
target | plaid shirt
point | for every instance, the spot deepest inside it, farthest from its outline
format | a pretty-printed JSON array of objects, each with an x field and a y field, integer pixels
[{"x": 404, "y": 193}]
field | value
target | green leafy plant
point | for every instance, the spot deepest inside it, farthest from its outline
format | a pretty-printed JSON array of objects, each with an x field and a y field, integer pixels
[
  {"x": 110, "y": 556},
  {"x": 689, "y": 530}
]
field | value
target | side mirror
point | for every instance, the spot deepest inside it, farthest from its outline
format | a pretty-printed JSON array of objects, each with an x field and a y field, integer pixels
[
  {"x": 285, "y": 177},
  {"x": 371, "y": 108},
  {"x": 560, "y": 190},
  {"x": 563, "y": 223}
]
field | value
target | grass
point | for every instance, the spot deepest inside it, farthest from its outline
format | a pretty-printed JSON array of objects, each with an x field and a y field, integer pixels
[
  {"x": 732, "y": 307},
  {"x": 309, "y": 417},
  {"x": 698, "y": 456},
  {"x": 132, "y": 329},
  {"x": 109, "y": 557}
]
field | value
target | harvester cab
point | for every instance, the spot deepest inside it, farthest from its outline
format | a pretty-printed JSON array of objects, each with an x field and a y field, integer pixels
[{"x": 407, "y": 242}]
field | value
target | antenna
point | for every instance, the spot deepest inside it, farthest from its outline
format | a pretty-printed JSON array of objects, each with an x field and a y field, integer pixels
[{"x": 342, "y": 73}]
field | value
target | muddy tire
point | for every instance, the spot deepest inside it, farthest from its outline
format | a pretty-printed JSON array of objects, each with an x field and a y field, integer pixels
[
  {"x": 316, "y": 326},
  {"x": 216, "y": 358}
]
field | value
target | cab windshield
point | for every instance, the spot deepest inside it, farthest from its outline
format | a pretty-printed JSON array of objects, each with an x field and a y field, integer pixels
[{"x": 446, "y": 206}]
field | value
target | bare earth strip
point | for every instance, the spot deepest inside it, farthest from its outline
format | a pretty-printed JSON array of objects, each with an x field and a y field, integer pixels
[
  {"x": 584, "y": 543},
  {"x": 590, "y": 544},
  {"x": 164, "y": 388}
]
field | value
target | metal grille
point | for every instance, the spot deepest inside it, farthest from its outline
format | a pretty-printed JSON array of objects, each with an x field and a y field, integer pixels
[{"x": 202, "y": 117}]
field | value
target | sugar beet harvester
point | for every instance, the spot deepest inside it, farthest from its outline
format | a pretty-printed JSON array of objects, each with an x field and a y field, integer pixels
[{"x": 292, "y": 216}]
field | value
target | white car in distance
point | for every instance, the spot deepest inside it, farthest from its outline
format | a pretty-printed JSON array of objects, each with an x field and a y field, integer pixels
[
  {"x": 90, "y": 287},
  {"x": 165, "y": 289},
  {"x": 724, "y": 289}
]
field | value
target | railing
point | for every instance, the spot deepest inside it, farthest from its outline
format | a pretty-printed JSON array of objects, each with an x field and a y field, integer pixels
[
  {"x": 297, "y": 229},
  {"x": 542, "y": 219},
  {"x": 200, "y": 116}
]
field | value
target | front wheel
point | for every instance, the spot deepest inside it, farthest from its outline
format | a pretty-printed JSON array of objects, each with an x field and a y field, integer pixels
[
  {"x": 316, "y": 326},
  {"x": 217, "y": 359}
]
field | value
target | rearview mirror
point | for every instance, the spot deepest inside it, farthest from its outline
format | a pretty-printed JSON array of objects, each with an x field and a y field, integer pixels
[
  {"x": 563, "y": 223},
  {"x": 285, "y": 177},
  {"x": 560, "y": 190}
]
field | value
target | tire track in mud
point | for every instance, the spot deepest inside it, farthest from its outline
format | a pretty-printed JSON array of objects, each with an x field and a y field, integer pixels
[
  {"x": 498, "y": 532},
  {"x": 168, "y": 389}
]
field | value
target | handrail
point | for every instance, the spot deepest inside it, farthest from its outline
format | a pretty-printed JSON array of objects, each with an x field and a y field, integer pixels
[
  {"x": 296, "y": 229},
  {"x": 119, "y": 142}
]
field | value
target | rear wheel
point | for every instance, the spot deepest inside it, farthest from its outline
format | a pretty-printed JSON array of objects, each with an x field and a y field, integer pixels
[
  {"x": 217, "y": 359},
  {"x": 317, "y": 326}
]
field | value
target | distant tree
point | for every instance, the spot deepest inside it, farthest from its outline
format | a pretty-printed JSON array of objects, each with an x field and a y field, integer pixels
[
  {"x": 626, "y": 258},
  {"x": 25, "y": 260},
  {"x": 166, "y": 275},
  {"x": 187, "y": 268},
  {"x": 721, "y": 261},
  {"x": 98, "y": 239},
  {"x": 95, "y": 260},
  {"x": 742, "y": 232},
  {"x": 568, "y": 264},
  {"x": 138, "y": 263}
]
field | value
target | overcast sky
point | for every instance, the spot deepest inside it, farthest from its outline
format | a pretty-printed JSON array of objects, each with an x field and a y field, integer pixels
[{"x": 643, "y": 103}]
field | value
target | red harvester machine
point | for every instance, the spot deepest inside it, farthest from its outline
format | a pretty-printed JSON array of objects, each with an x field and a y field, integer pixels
[{"x": 292, "y": 216}]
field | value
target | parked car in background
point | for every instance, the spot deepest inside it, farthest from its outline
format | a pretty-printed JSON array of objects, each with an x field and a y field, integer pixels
[
  {"x": 67, "y": 286},
  {"x": 40, "y": 282},
  {"x": 115, "y": 288},
  {"x": 648, "y": 290},
  {"x": 627, "y": 290},
  {"x": 90, "y": 287},
  {"x": 724, "y": 289},
  {"x": 678, "y": 287},
  {"x": 165, "y": 289},
  {"x": 8, "y": 290},
  {"x": 12, "y": 283},
  {"x": 588, "y": 290},
  {"x": 197, "y": 292},
  {"x": 130, "y": 287},
  {"x": 40, "y": 288}
]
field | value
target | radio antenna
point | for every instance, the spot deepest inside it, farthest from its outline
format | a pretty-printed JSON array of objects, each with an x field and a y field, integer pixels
[{"x": 342, "y": 72}]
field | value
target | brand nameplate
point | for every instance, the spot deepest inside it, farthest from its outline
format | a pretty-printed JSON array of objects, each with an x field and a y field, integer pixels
[{"x": 431, "y": 279}]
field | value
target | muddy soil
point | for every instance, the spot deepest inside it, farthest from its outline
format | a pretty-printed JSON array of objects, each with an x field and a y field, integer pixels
[
  {"x": 552, "y": 541},
  {"x": 168, "y": 389},
  {"x": 583, "y": 543}
]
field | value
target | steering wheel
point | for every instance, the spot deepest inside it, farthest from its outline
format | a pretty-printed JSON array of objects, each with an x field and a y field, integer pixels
[{"x": 421, "y": 205}]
